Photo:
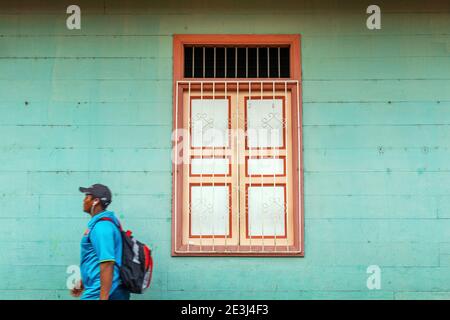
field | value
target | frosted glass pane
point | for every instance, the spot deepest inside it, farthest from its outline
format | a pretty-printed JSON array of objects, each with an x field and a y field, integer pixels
[
  {"x": 209, "y": 119},
  {"x": 209, "y": 210},
  {"x": 266, "y": 211},
  {"x": 210, "y": 166},
  {"x": 265, "y": 166},
  {"x": 265, "y": 123}
]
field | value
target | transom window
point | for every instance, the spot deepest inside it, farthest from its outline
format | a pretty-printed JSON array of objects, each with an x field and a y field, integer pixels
[
  {"x": 237, "y": 187},
  {"x": 236, "y": 62}
]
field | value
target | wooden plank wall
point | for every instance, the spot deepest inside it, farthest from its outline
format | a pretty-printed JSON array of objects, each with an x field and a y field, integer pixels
[{"x": 94, "y": 105}]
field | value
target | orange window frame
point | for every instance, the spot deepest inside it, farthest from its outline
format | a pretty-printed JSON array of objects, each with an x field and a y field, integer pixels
[{"x": 293, "y": 41}]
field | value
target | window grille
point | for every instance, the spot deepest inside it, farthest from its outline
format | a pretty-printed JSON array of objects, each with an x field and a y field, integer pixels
[{"x": 236, "y": 62}]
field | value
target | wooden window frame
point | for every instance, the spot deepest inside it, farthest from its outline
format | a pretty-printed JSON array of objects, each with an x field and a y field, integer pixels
[{"x": 293, "y": 41}]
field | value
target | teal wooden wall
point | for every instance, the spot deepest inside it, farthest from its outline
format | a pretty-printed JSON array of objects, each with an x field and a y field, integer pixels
[{"x": 94, "y": 105}]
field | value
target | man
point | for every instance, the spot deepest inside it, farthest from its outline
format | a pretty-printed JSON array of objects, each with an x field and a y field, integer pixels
[{"x": 101, "y": 250}]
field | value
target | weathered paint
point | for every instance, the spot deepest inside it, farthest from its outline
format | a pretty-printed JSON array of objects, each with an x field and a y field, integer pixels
[{"x": 95, "y": 105}]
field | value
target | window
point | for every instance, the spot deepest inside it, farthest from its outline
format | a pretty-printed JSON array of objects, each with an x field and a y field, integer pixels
[
  {"x": 236, "y": 62},
  {"x": 237, "y": 182}
]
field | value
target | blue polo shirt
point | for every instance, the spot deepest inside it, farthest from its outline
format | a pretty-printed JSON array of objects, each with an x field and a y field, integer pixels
[{"x": 101, "y": 242}]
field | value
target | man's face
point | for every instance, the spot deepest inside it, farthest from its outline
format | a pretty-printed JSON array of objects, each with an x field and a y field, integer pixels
[{"x": 87, "y": 203}]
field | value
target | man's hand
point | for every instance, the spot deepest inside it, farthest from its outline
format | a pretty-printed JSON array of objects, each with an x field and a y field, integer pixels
[
  {"x": 106, "y": 277},
  {"x": 77, "y": 290}
]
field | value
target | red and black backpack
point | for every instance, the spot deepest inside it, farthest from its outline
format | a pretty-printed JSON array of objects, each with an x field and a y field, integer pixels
[{"x": 137, "y": 262}]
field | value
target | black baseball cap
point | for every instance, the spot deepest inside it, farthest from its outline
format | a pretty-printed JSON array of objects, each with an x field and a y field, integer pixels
[{"x": 98, "y": 191}]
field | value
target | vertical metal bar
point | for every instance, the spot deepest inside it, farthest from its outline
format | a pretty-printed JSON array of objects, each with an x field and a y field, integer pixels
[
  {"x": 226, "y": 176},
  {"x": 189, "y": 153},
  {"x": 250, "y": 156},
  {"x": 235, "y": 61},
  {"x": 273, "y": 157},
  {"x": 213, "y": 157},
  {"x": 214, "y": 62},
  {"x": 204, "y": 51},
  {"x": 193, "y": 61},
  {"x": 237, "y": 153},
  {"x": 201, "y": 154},
  {"x": 287, "y": 168},
  {"x": 226, "y": 73},
  {"x": 246, "y": 62},
  {"x": 257, "y": 62},
  {"x": 264, "y": 209},
  {"x": 279, "y": 63}
]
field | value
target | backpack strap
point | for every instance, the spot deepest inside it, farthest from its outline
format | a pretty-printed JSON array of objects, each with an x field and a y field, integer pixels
[
  {"x": 104, "y": 219},
  {"x": 110, "y": 220}
]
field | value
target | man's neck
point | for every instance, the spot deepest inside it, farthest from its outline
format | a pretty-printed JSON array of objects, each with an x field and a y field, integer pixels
[{"x": 96, "y": 212}]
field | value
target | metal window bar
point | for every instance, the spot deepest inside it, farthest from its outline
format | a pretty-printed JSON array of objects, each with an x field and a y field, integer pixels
[
  {"x": 204, "y": 54},
  {"x": 262, "y": 186},
  {"x": 226, "y": 73},
  {"x": 189, "y": 153},
  {"x": 226, "y": 175},
  {"x": 286, "y": 213},
  {"x": 214, "y": 62},
  {"x": 279, "y": 63},
  {"x": 235, "y": 61},
  {"x": 238, "y": 180},
  {"x": 214, "y": 167},
  {"x": 193, "y": 62},
  {"x": 250, "y": 176},
  {"x": 285, "y": 123},
  {"x": 201, "y": 153},
  {"x": 246, "y": 62},
  {"x": 276, "y": 66},
  {"x": 273, "y": 156},
  {"x": 257, "y": 63}
]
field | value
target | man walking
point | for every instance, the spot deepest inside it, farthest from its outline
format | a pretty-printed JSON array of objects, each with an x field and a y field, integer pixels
[{"x": 101, "y": 250}]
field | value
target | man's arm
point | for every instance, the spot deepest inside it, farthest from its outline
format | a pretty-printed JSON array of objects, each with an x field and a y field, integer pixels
[
  {"x": 102, "y": 238},
  {"x": 106, "y": 277}
]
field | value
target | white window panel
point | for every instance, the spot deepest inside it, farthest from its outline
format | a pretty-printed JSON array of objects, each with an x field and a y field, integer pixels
[
  {"x": 265, "y": 123},
  {"x": 209, "y": 123},
  {"x": 266, "y": 206},
  {"x": 265, "y": 166},
  {"x": 210, "y": 166},
  {"x": 209, "y": 210}
]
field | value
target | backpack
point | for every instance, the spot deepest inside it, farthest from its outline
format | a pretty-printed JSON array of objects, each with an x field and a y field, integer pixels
[{"x": 137, "y": 262}]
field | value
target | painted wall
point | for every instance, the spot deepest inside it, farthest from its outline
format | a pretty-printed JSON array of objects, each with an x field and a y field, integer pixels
[{"x": 95, "y": 105}]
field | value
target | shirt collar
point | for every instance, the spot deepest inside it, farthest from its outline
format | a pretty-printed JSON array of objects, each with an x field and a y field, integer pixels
[{"x": 100, "y": 215}]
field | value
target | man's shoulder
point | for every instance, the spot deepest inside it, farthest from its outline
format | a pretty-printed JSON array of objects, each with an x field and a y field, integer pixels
[{"x": 104, "y": 226}]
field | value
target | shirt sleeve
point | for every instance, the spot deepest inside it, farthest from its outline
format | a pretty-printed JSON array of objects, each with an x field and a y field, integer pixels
[{"x": 102, "y": 238}]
